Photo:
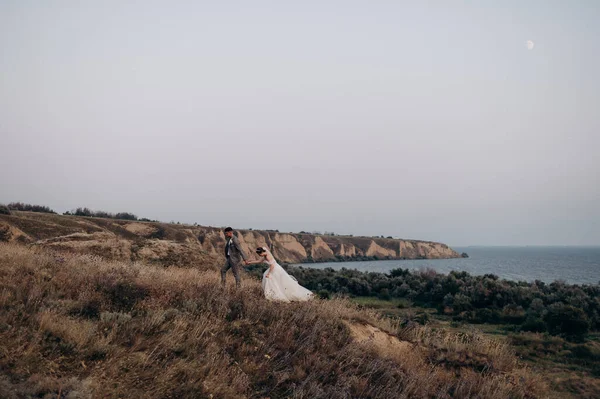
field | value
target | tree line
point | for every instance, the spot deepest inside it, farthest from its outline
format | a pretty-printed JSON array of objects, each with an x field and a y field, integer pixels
[
  {"x": 20, "y": 206},
  {"x": 102, "y": 214},
  {"x": 571, "y": 311},
  {"x": 81, "y": 211}
]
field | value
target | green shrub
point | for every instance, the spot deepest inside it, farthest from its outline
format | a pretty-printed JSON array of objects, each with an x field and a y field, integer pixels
[
  {"x": 461, "y": 303},
  {"x": 160, "y": 234},
  {"x": 125, "y": 216},
  {"x": 486, "y": 315},
  {"x": 534, "y": 324},
  {"x": 384, "y": 294},
  {"x": 568, "y": 321},
  {"x": 323, "y": 294},
  {"x": 83, "y": 212},
  {"x": 4, "y": 210},
  {"x": 404, "y": 304}
]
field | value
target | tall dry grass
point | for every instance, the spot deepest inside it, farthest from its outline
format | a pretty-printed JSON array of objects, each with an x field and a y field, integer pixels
[{"x": 78, "y": 326}]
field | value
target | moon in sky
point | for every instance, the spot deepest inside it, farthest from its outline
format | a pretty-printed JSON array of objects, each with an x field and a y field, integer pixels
[{"x": 529, "y": 44}]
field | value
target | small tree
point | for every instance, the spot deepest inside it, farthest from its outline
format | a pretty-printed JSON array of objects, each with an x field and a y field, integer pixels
[
  {"x": 83, "y": 212},
  {"x": 126, "y": 216}
]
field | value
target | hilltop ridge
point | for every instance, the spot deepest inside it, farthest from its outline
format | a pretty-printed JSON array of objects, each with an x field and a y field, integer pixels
[{"x": 169, "y": 243}]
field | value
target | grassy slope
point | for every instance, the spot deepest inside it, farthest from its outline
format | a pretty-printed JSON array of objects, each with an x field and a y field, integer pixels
[
  {"x": 568, "y": 376},
  {"x": 80, "y": 326},
  {"x": 168, "y": 244}
]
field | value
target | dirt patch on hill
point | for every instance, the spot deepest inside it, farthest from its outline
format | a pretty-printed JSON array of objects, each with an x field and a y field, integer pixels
[
  {"x": 384, "y": 343},
  {"x": 140, "y": 229},
  {"x": 10, "y": 233},
  {"x": 104, "y": 244}
]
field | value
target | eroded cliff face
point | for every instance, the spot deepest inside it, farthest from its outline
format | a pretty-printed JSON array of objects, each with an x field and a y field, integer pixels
[
  {"x": 299, "y": 248},
  {"x": 198, "y": 246}
]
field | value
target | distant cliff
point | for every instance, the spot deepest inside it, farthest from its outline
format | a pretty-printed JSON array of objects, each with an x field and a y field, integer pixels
[
  {"x": 198, "y": 245},
  {"x": 298, "y": 248}
]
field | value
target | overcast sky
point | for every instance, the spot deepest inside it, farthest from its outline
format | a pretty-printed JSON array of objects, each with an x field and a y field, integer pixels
[{"x": 426, "y": 120}]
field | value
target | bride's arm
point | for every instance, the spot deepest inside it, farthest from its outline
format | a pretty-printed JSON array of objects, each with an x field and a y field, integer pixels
[{"x": 255, "y": 262}]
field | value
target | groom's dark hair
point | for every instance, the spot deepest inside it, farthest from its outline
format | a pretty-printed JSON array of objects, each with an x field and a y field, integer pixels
[{"x": 228, "y": 229}]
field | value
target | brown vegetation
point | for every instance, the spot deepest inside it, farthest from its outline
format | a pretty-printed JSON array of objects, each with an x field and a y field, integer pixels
[{"x": 81, "y": 326}]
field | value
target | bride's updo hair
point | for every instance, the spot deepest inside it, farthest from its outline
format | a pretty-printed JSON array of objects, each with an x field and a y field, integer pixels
[{"x": 260, "y": 250}]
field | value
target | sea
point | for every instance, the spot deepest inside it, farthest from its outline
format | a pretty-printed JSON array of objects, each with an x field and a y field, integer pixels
[{"x": 573, "y": 265}]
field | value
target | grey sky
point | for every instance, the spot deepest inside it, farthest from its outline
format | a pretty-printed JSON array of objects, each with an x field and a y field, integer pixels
[{"x": 431, "y": 121}]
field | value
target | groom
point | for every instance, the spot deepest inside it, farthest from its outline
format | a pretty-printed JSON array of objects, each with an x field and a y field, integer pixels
[{"x": 234, "y": 255}]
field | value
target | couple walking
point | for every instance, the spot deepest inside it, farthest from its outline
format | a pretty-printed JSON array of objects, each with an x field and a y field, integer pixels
[{"x": 277, "y": 284}]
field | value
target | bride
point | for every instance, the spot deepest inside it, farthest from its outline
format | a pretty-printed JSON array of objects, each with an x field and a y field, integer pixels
[{"x": 276, "y": 283}]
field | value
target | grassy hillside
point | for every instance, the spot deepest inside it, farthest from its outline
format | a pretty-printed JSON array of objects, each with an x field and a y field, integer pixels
[
  {"x": 77, "y": 325},
  {"x": 177, "y": 244}
]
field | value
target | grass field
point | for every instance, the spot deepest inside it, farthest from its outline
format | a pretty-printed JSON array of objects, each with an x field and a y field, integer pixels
[{"x": 79, "y": 326}]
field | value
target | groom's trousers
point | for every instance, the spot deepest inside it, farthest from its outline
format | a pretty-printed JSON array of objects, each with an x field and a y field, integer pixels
[{"x": 235, "y": 268}]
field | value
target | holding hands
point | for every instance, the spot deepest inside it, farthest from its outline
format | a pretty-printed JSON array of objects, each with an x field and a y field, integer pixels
[{"x": 263, "y": 254}]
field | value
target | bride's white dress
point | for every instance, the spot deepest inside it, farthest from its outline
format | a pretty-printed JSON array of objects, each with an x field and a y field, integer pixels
[{"x": 280, "y": 286}]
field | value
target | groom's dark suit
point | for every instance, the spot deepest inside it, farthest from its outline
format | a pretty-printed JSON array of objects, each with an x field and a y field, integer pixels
[{"x": 234, "y": 255}]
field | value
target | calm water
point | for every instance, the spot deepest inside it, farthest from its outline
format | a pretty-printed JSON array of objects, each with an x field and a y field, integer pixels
[{"x": 575, "y": 265}]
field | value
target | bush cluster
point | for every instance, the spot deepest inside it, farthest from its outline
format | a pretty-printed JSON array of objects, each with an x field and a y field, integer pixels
[
  {"x": 19, "y": 206},
  {"x": 107, "y": 215},
  {"x": 558, "y": 308}
]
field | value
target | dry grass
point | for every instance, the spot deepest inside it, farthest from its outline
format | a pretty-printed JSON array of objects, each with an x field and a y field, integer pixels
[{"x": 80, "y": 326}]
